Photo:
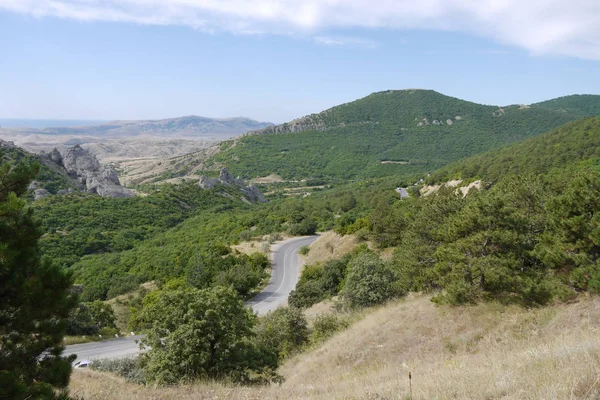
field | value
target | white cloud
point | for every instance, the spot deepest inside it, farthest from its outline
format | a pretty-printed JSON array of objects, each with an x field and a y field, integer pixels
[
  {"x": 558, "y": 27},
  {"x": 345, "y": 41}
]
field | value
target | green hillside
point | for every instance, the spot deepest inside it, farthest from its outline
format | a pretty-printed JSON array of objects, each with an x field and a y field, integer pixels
[
  {"x": 573, "y": 142},
  {"x": 390, "y": 133},
  {"x": 582, "y": 104}
]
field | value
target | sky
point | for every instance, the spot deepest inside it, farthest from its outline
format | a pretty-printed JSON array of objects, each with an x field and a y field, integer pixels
[{"x": 275, "y": 60}]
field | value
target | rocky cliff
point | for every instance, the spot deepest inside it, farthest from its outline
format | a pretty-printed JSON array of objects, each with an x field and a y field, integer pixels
[
  {"x": 310, "y": 122},
  {"x": 250, "y": 193},
  {"x": 92, "y": 177}
]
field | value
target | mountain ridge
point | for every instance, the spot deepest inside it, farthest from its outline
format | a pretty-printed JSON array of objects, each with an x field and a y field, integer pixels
[
  {"x": 389, "y": 133},
  {"x": 322, "y": 120}
]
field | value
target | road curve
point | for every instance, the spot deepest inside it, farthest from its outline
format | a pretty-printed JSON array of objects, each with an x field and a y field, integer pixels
[
  {"x": 284, "y": 277},
  {"x": 113, "y": 348},
  {"x": 285, "y": 274}
]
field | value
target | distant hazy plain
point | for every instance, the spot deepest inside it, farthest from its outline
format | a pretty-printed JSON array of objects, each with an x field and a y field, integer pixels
[{"x": 45, "y": 123}]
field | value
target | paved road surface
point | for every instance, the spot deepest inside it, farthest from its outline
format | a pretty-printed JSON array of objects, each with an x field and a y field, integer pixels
[
  {"x": 114, "y": 348},
  {"x": 286, "y": 271}
]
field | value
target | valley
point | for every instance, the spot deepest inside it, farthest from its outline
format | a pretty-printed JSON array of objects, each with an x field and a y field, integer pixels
[{"x": 443, "y": 246}]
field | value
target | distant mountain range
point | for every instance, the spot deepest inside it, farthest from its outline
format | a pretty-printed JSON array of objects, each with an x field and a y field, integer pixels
[{"x": 182, "y": 127}]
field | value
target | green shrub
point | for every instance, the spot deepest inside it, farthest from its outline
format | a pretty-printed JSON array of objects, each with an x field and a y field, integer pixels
[
  {"x": 128, "y": 368},
  {"x": 369, "y": 281},
  {"x": 304, "y": 250},
  {"x": 325, "y": 326},
  {"x": 284, "y": 330}
]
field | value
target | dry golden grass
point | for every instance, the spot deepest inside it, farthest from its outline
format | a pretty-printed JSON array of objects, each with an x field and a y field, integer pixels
[
  {"x": 330, "y": 246},
  {"x": 481, "y": 352}
]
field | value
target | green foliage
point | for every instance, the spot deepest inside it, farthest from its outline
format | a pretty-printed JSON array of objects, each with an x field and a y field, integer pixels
[
  {"x": 304, "y": 250},
  {"x": 80, "y": 321},
  {"x": 488, "y": 246},
  {"x": 284, "y": 330},
  {"x": 369, "y": 281},
  {"x": 207, "y": 335},
  {"x": 325, "y": 326},
  {"x": 128, "y": 368},
  {"x": 48, "y": 175},
  {"x": 82, "y": 224},
  {"x": 572, "y": 240},
  {"x": 304, "y": 228},
  {"x": 580, "y": 104},
  {"x": 102, "y": 314},
  {"x": 36, "y": 299},
  {"x": 573, "y": 142},
  {"x": 318, "y": 283},
  {"x": 355, "y": 140}
]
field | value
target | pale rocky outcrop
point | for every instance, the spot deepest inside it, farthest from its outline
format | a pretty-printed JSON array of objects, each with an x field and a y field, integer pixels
[
  {"x": 86, "y": 169},
  {"x": 7, "y": 144},
  {"x": 250, "y": 192},
  {"x": 40, "y": 194}
]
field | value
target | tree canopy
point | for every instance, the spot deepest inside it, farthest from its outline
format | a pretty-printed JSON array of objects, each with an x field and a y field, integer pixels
[{"x": 36, "y": 298}]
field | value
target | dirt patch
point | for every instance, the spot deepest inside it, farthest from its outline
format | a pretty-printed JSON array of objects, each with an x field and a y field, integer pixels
[
  {"x": 273, "y": 178},
  {"x": 395, "y": 162}
]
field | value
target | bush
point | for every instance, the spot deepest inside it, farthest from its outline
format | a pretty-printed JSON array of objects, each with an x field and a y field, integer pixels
[
  {"x": 128, "y": 368},
  {"x": 284, "y": 330},
  {"x": 325, "y": 326},
  {"x": 199, "y": 334},
  {"x": 369, "y": 282},
  {"x": 318, "y": 283},
  {"x": 304, "y": 250},
  {"x": 304, "y": 228}
]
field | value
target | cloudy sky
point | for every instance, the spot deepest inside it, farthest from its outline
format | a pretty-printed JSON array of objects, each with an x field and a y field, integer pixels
[{"x": 279, "y": 59}]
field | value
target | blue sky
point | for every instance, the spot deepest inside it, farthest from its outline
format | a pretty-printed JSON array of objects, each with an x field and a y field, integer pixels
[{"x": 125, "y": 61}]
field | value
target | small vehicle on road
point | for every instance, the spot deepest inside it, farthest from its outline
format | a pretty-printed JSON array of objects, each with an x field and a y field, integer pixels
[{"x": 81, "y": 364}]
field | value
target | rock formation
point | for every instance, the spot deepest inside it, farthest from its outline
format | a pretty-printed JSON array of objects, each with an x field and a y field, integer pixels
[
  {"x": 86, "y": 169},
  {"x": 7, "y": 144},
  {"x": 250, "y": 192},
  {"x": 40, "y": 194}
]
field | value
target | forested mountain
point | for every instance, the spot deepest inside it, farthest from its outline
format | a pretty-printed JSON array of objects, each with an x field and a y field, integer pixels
[
  {"x": 528, "y": 236},
  {"x": 573, "y": 142},
  {"x": 582, "y": 104},
  {"x": 390, "y": 133}
]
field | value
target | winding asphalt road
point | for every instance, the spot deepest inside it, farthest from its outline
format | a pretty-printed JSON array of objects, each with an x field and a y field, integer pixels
[{"x": 284, "y": 277}]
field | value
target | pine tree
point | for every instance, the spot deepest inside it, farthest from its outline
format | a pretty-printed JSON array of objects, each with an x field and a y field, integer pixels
[{"x": 35, "y": 299}]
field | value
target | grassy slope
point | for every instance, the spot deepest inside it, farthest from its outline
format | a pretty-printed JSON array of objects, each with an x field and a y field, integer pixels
[
  {"x": 353, "y": 139},
  {"x": 571, "y": 143},
  {"x": 480, "y": 352}
]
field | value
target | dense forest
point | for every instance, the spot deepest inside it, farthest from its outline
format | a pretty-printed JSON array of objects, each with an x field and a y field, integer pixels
[
  {"x": 528, "y": 236},
  {"x": 570, "y": 143},
  {"x": 393, "y": 133}
]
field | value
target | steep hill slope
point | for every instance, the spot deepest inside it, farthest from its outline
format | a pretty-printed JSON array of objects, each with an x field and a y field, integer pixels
[
  {"x": 386, "y": 133},
  {"x": 569, "y": 144}
]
